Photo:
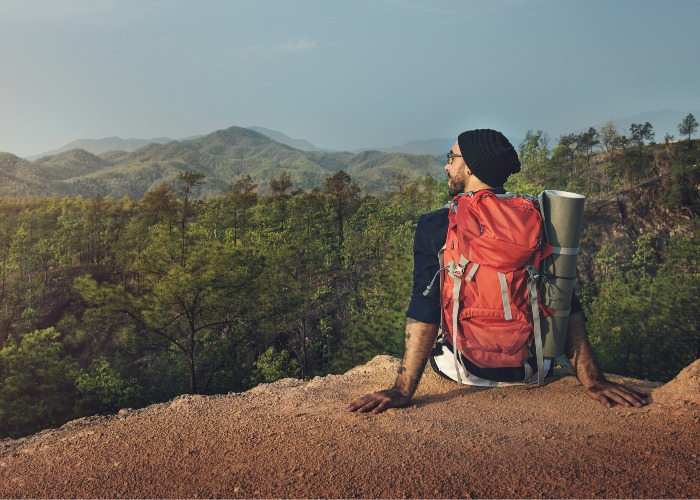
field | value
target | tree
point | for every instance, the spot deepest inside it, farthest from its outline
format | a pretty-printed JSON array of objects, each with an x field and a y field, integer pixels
[
  {"x": 200, "y": 308},
  {"x": 308, "y": 288},
  {"x": 36, "y": 390},
  {"x": 159, "y": 204},
  {"x": 241, "y": 196},
  {"x": 645, "y": 259},
  {"x": 587, "y": 141},
  {"x": 189, "y": 180},
  {"x": 611, "y": 137},
  {"x": 643, "y": 321},
  {"x": 341, "y": 187},
  {"x": 567, "y": 146},
  {"x": 97, "y": 228},
  {"x": 379, "y": 260},
  {"x": 640, "y": 132},
  {"x": 279, "y": 187},
  {"x": 534, "y": 158},
  {"x": 688, "y": 126},
  {"x": 272, "y": 365},
  {"x": 636, "y": 161},
  {"x": 102, "y": 389}
]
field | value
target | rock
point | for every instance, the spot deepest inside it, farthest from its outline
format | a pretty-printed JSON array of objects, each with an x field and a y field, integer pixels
[{"x": 684, "y": 389}]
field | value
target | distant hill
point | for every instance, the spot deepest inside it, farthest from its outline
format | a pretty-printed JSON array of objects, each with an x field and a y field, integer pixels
[
  {"x": 301, "y": 144},
  {"x": 22, "y": 178},
  {"x": 71, "y": 163},
  {"x": 99, "y": 146},
  {"x": 119, "y": 167},
  {"x": 435, "y": 147},
  {"x": 419, "y": 147},
  {"x": 223, "y": 156},
  {"x": 427, "y": 146}
]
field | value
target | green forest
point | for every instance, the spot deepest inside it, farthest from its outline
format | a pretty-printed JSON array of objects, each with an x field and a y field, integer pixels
[{"x": 112, "y": 303}]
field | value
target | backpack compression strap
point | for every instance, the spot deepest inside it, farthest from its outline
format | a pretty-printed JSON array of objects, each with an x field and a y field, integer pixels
[
  {"x": 537, "y": 329},
  {"x": 504, "y": 296},
  {"x": 457, "y": 272}
]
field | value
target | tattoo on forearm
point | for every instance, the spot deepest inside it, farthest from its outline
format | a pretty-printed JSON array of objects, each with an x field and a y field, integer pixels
[
  {"x": 402, "y": 365},
  {"x": 419, "y": 339}
]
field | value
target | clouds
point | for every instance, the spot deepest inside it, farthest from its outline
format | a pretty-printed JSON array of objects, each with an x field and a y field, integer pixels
[
  {"x": 292, "y": 46},
  {"x": 298, "y": 45}
]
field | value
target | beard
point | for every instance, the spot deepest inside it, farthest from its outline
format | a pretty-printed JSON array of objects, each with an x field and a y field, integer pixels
[{"x": 454, "y": 187}]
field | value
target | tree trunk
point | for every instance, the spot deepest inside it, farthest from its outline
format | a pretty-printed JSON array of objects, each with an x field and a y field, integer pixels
[{"x": 193, "y": 377}]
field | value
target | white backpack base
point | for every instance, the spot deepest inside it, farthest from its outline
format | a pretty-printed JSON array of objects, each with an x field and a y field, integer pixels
[{"x": 445, "y": 364}]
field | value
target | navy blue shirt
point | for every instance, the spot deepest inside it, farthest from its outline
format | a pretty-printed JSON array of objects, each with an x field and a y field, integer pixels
[{"x": 430, "y": 236}]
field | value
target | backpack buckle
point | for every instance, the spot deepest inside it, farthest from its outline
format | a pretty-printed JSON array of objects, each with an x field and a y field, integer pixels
[
  {"x": 461, "y": 266},
  {"x": 534, "y": 275},
  {"x": 457, "y": 270}
]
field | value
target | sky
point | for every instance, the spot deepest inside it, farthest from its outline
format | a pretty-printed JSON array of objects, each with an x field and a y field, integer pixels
[{"x": 342, "y": 74}]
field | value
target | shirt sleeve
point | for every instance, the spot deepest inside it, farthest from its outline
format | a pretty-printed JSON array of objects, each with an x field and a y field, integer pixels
[{"x": 427, "y": 242}]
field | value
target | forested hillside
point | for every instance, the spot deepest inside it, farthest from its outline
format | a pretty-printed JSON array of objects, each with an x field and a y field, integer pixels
[
  {"x": 223, "y": 156},
  {"x": 110, "y": 302}
]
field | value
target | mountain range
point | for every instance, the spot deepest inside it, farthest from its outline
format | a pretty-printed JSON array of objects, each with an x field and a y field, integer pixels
[
  {"x": 664, "y": 121},
  {"x": 99, "y": 146},
  {"x": 130, "y": 167},
  {"x": 223, "y": 156}
]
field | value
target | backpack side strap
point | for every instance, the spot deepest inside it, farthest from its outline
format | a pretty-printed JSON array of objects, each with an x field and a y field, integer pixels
[
  {"x": 504, "y": 296},
  {"x": 537, "y": 329},
  {"x": 457, "y": 272}
]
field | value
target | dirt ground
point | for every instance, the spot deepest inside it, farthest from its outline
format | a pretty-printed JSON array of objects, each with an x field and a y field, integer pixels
[{"x": 295, "y": 439}]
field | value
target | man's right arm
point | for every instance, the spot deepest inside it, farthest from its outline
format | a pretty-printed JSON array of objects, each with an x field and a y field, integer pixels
[
  {"x": 420, "y": 338},
  {"x": 580, "y": 353}
]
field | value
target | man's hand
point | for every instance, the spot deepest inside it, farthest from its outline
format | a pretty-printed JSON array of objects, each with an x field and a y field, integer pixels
[
  {"x": 610, "y": 393},
  {"x": 377, "y": 402},
  {"x": 578, "y": 350},
  {"x": 419, "y": 338}
]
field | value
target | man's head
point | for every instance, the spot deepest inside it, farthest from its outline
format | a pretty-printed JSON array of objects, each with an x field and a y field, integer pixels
[{"x": 480, "y": 159}]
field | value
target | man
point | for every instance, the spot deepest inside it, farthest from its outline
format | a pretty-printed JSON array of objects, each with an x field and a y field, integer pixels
[{"x": 479, "y": 159}]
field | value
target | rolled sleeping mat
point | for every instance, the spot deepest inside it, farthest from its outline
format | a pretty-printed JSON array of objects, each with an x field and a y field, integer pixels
[{"x": 563, "y": 216}]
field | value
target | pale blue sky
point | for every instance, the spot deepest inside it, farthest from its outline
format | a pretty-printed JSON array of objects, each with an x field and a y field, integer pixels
[{"x": 341, "y": 74}]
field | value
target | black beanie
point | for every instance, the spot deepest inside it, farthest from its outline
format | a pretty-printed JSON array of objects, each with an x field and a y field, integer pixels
[{"x": 489, "y": 155}]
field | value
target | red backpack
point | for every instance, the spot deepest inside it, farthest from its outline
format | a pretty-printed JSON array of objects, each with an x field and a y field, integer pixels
[{"x": 490, "y": 306}]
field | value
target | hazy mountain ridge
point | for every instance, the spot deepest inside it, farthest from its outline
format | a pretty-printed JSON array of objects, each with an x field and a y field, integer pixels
[
  {"x": 664, "y": 121},
  {"x": 223, "y": 156},
  {"x": 98, "y": 146},
  {"x": 424, "y": 146},
  {"x": 71, "y": 163},
  {"x": 301, "y": 144}
]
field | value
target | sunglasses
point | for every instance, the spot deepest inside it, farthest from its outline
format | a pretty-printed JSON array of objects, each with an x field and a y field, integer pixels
[{"x": 451, "y": 156}]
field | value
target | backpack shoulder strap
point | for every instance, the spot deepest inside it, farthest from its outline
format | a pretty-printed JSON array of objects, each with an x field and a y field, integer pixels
[
  {"x": 457, "y": 271},
  {"x": 536, "y": 327}
]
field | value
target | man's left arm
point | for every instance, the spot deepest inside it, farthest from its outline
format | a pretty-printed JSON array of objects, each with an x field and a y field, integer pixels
[
  {"x": 578, "y": 350},
  {"x": 419, "y": 341}
]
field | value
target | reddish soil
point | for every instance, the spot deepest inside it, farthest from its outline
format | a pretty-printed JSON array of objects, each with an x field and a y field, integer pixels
[{"x": 295, "y": 439}]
